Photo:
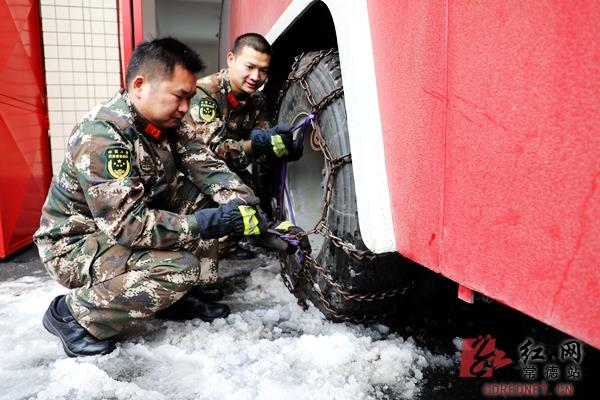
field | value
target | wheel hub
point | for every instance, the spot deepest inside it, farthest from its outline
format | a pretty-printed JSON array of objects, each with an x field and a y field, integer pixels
[{"x": 305, "y": 180}]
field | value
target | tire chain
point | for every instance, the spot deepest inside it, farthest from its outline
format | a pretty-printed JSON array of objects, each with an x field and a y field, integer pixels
[{"x": 332, "y": 167}]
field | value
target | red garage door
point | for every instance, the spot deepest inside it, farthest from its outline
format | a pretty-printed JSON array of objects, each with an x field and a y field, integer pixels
[{"x": 24, "y": 157}]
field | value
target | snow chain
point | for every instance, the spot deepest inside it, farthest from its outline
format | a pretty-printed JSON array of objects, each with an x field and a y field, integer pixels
[{"x": 333, "y": 165}]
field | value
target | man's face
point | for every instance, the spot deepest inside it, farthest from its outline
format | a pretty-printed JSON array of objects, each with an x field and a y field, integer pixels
[
  {"x": 163, "y": 101},
  {"x": 247, "y": 70}
]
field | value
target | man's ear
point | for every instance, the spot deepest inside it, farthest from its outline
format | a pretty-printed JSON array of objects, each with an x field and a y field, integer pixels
[
  {"x": 230, "y": 58},
  {"x": 137, "y": 85}
]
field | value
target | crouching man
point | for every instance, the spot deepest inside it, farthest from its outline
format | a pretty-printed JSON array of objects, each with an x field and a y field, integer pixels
[{"x": 122, "y": 227}]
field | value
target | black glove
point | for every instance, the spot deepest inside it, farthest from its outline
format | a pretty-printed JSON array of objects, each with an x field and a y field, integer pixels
[
  {"x": 284, "y": 236},
  {"x": 297, "y": 149},
  {"x": 235, "y": 217},
  {"x": 273, "y": 143},
  {"x": 298, "y": 143}
]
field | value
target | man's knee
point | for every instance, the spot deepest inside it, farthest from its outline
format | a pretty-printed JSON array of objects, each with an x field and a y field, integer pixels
[{"x": 173, "y": 269}]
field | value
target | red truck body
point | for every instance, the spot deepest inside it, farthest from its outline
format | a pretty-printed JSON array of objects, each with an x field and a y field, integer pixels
[{"x": 490, "y": 119}]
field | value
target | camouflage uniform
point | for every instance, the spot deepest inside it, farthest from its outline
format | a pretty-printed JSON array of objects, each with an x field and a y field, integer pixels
[
  {"x": 117, "y": 226},
  {"x": 222, "y": 122}
]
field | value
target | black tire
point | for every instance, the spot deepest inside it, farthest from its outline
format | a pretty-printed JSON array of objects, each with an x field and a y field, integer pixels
[{"x": 384, "y": 272}]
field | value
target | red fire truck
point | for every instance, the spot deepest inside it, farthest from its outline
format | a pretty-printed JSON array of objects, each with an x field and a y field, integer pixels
[{"x": 462, "y": 136}]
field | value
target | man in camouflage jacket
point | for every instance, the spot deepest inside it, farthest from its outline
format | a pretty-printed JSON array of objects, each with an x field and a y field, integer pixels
[
  {"x": 228, "y": 114},
  {"x": 122, "y": 226}
]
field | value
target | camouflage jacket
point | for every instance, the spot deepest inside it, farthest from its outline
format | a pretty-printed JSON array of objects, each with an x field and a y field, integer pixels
[
  {"x": 119, "y": 179},
  {"x": 221, "y": 121}
]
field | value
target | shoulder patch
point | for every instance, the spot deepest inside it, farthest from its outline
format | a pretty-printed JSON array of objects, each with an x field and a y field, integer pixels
[
  {"x": 207, "y": 109},
  {"x": 118, "y": 162}
]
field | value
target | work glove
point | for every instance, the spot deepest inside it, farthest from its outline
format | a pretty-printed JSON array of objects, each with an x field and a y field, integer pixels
[
  {"x": 235, "y": 217},
  {"x": 275, "y": 142},
  {"x": 295, "y": 152},
  {"x": 284, "y": 236}
]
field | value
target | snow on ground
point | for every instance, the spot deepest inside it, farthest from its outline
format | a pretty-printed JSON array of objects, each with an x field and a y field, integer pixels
[{"x": 268, "y": 348}]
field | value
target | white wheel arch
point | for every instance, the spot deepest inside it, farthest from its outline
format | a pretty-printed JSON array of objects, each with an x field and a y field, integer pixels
[{"x": 351, "y": 22}]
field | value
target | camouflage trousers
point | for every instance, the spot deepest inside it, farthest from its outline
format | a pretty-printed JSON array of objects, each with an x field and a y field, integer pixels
[{"x": 113, "y": 287}]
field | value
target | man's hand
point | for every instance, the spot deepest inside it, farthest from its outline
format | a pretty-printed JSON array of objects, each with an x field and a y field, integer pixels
[
  {"x": 275, "y": 142},
  {"x": 235, "y": 217},
  {"x": 284, "y": 236}
]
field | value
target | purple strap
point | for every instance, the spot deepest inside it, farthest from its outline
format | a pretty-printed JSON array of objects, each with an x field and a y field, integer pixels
[
  {"x": 309, "y": 118},
  {"x": 290, "y": 239},
  {"x": 286, "y": 237}
]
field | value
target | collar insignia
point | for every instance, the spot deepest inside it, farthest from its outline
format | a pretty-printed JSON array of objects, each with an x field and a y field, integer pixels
[
  {"x": 233, "y": 102},
  {"x": 152, "y": 131}
]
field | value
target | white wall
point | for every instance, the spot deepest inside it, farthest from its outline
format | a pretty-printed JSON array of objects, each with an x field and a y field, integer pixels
[
  {"x": 194, "y": 22},
  {"x": 81, "y": 53}
]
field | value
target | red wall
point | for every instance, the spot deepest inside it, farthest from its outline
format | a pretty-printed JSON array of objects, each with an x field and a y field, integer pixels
[{"x": 25, "y": 171}]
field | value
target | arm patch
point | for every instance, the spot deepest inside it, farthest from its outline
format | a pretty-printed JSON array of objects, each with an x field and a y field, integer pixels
[
  {"x": 118, "y": 162},
  {"x": 207, "y": 110}
]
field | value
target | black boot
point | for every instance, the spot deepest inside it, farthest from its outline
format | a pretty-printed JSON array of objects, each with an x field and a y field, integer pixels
[
  {"x": 75, "y": 339},
  {"x": 207, "y": 293},
  {"x": 190, "y": 307},
  {"x": 238, "y": 253}
]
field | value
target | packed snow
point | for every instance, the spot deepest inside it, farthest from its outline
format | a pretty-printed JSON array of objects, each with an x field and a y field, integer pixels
[{"x": 268, "y": 348}]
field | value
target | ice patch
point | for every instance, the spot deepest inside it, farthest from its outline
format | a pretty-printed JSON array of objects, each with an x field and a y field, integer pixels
[{"x": 268, "y": 348}]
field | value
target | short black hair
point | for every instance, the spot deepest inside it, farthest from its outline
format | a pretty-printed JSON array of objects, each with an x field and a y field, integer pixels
[
  {"x": 158, "y": 57},
  {"x": 253, "y": 40}
]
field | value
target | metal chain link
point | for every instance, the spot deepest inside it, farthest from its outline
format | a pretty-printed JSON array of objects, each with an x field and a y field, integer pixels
[{"x": 333, "y": 165}]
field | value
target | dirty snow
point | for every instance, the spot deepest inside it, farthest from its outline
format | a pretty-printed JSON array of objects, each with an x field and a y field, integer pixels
[{"x": 268, "y": 348}]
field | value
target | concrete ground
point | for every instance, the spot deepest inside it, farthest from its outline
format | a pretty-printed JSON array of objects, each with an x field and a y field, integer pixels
[{"x": 26, "y": 262}]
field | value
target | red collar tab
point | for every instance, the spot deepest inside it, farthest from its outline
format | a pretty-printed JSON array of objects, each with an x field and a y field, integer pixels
[
  {"x": 232, "y": 100},
  {"x": 152, "y": 131}
]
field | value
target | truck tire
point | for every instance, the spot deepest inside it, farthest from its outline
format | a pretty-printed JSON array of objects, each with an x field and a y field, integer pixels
[{"x": 377, "y": 283}]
